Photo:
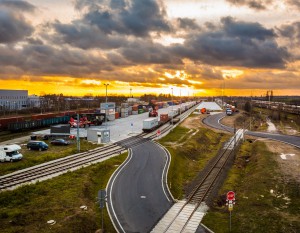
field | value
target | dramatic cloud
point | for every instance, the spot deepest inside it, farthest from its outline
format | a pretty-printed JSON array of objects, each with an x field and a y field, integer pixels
[
  {"x": 85, "y": 36},
  {"x": 236, "y": 44},
  {"x": 253, "y": 4},
  {"x": 17, "y": 5},
  {"x": 295, "y": 3},
  {"x": 13, "y": 26},
  {"x": 291, "y": 31},
  {"x": 39, "y": 59},
  {"x": 146, "y": 52},
  {"x": 186, "y": 23}
]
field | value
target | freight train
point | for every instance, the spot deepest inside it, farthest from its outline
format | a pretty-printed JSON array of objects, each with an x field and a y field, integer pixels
[
  {"x": 29, "y": 122},
  {"x": 152, "y": 124}
]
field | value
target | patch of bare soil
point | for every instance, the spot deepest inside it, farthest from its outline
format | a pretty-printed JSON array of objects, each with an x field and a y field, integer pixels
[
  {"x": 288, "y": 158},
  {"x": 192, "y": 122}
]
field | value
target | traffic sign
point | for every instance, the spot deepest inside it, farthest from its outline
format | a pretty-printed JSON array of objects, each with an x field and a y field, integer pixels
[
  {"x": 230, "y": 196},
  {"x": 230, "y": 207},
  {"x": 102, "y": 198},
  {"x": 158, "y": 132}
]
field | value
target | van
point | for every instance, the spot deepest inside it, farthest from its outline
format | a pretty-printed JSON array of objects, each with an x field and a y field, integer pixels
[
  {"x": 37, "y": 145},
  {"x": 10, "y": 153}
]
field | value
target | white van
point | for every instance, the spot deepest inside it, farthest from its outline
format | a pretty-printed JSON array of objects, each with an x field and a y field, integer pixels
[{"x": 10, "y": 153}]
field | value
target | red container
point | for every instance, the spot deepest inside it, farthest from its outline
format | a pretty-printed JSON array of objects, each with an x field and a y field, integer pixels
[
  {"x": 164, "y": 117},
  {"x": 117, "y": 115}
]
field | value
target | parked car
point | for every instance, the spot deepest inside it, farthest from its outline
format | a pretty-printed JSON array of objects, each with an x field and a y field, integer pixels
[
  {"x": 60, "y": 142},
  {"x": 37, "y": 145}
]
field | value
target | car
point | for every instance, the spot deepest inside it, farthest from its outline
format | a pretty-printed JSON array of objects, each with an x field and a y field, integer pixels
[
  {"x": 37, "y": 145},
  {"x": 60, "y": 142}
]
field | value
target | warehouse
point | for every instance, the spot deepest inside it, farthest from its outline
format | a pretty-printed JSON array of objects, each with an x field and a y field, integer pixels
[{"x": 209, "y": 106}]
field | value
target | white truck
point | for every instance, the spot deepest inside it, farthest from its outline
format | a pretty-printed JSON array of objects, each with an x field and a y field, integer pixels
[{"x": 10, "y": 153}]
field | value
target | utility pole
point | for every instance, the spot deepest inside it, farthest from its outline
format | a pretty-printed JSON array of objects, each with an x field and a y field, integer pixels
[
  {"x": 78, "y": 139},
  {"x": 106, "y": 84},
  {"x": 172, "y": 105}
]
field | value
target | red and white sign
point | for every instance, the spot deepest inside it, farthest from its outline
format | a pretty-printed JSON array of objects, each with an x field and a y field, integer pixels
[
  {"x": 158, "y": 132},
  {"x": 230, "y": 196}
]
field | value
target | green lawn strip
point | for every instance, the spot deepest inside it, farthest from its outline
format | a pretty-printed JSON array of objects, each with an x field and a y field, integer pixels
[
  {"x": 33, "y": 157},
  {"x": 28, "y": 208},
  {"x": 191, "y": 157},
  {"x": 254, "y": 174}
]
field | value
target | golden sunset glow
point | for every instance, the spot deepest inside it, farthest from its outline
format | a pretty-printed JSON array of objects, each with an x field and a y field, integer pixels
[{"x": 199, "y": 48}]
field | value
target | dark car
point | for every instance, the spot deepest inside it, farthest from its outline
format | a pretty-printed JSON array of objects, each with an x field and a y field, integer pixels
[
  {"x": 60, "y": 142},
  {"x": 37, "y": 145}
]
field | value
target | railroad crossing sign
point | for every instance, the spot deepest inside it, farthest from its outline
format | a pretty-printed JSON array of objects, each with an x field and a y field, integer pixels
[{"x": 230, "y": 196}]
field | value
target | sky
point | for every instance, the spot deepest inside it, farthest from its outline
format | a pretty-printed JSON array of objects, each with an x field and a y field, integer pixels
[{"x": 184, "y": 47}]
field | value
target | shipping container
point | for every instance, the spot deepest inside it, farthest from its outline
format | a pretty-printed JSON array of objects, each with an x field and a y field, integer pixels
[
  {"x": 150, "y": 123},
  {"x": 164, "y": 117}
]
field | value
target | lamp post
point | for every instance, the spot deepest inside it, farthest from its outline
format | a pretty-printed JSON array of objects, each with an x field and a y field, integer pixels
[
  {"x": 106, "y": 84},
  {"x": 172, "y": 105}
]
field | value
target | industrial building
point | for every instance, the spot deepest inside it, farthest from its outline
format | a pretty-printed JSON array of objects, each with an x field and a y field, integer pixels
[{"x": 13, "y": 99}]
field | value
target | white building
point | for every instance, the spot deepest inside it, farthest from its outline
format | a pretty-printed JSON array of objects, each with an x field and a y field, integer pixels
[
  {"x": 13, "y": 99},
  {"x": 33, "y": 101}
]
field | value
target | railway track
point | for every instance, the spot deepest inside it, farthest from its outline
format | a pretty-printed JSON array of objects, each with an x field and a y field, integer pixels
[
  {"x": 187, "y": 218},
  {"x": 76, "y": 161}
]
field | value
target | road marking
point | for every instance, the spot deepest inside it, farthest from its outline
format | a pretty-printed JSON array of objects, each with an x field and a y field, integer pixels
[
  {"x": 143, "y": 197},
  {"x": 110, "y": 192},
  {"x": 165, "y": 171}
]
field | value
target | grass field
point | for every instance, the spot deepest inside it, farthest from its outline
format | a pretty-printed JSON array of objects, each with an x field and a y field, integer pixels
[
  {"x": 190, "y": 150},
  {"x": 33, "y": 157},
  {"x": 28, "y": 208},
  {"x": 264, "y": 202}
]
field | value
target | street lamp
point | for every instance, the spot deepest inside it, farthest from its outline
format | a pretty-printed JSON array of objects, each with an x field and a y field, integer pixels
[
  {"x": 172, "y": 105},
  {"x": 106, "y": 84}
]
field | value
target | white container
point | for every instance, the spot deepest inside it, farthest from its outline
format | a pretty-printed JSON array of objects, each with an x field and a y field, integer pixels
[
  {"x": 124, "y": 114},
  {"x": 150, "y": 123}
]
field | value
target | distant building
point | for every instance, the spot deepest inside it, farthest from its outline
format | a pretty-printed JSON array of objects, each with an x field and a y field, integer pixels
[
  {"x": 33, "y": 101},
  {"x": 13, "y": 99}
]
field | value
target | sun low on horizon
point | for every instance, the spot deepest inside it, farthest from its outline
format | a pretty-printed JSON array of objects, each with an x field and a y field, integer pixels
[{"x": 182, "y": 48}]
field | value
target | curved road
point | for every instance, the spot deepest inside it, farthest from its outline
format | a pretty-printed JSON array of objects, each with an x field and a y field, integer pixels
[
  {"x": 214, "y": 121},
  {"x": 137, "y": 192}
]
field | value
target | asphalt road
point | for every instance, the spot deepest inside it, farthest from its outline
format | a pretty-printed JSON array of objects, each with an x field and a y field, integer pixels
[
  {"x": 137, "y": 193},
  {"x": 214, "y": 121}
]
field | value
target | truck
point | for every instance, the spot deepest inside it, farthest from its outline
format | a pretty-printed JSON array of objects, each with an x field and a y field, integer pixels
[
  {"x": 10, "y": 153},
  {"x": 228, "y": 111}
]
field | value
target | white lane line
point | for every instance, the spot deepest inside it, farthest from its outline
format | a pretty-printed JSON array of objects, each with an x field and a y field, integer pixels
[
  {"x": 110, "y": 194},
  {"x": 165, "y": 171}
]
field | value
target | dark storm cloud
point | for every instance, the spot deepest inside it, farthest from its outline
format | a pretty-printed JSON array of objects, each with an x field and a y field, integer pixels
[
  {"x": 38, "y": 59},
  {"x": 85, "y": 36},
  {"x": 13, "y": 26},
  {"x": 236, "y": 44},
  {"x": 110, "y": 24},
  {"x": 253, "y": 4},
  {"x": 187, "y": 23},
  {"x": 137, "y": 17},
  {"x": 290, "y": 31},
  {"x": 17, "y": 5},
  {"x": 146, "y": 52}
]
